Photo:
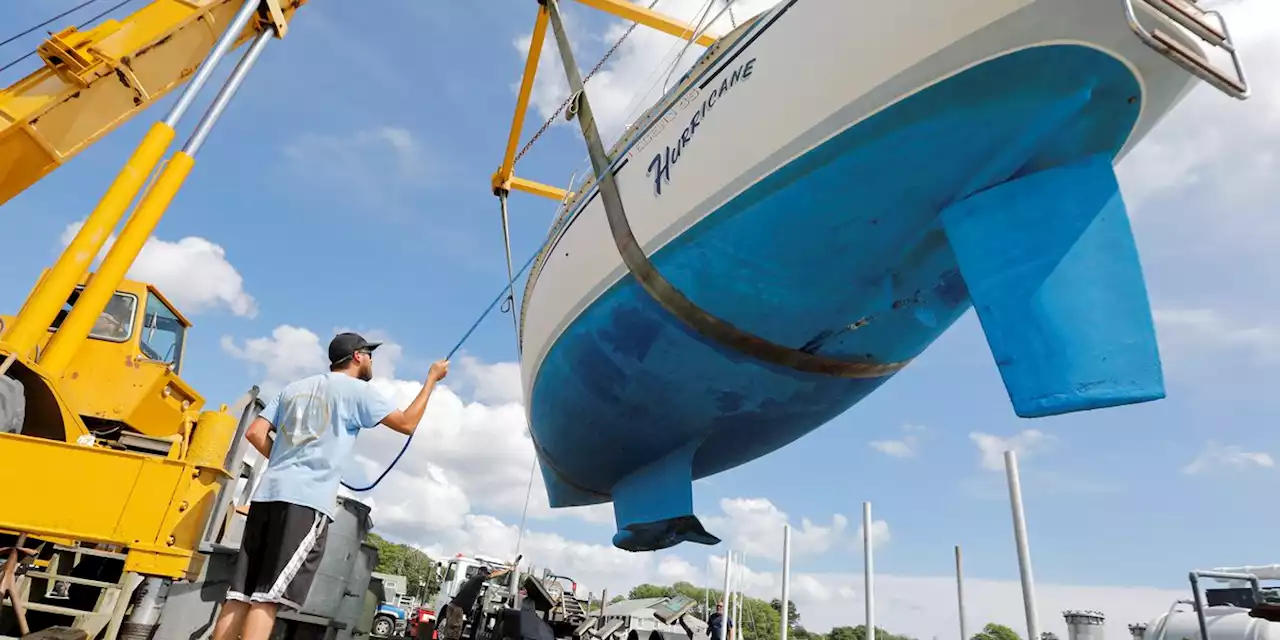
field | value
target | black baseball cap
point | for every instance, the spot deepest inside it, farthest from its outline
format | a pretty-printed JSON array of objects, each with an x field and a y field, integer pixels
[{"x": 345, "y": 345}]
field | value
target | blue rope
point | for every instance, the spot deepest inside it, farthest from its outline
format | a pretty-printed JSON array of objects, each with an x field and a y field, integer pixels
[{"x": 453, "y": 351}]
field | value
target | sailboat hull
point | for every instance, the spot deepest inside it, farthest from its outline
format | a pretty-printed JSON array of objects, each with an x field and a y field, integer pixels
[{"x": 835, "y": 180}]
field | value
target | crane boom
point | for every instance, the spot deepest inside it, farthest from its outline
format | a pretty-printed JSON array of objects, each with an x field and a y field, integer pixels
[{"x": 93, "y": 81}]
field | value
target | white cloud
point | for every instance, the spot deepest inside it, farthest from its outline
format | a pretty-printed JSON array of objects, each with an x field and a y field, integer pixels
[
  {"x": 1208, "y": 328},
  {"x": 905, "y": 447},
  {"x": 1216, "y": 456},
  {"x": 917, "y": 606},
  {"x": 472, "y": 458},
  {"x": 471, "y": 461},
  {"x": 373, "y": 164},
  {"x": 493, "y": 383},
  {"x": 879, "y": 534},
  {"x": 634, "y": 76},
  {"x": 475, "y": 452},
  {"x": 193, "y": 273},
  {"x": 1211, "y": 140},
  {"x": 925, "y": 606},
  {"x": 904, "y": 605},
  {"x": 754, "y": 527},
  {"x": 290, "y": 352},
  {"x": 1026, "y": 444}
]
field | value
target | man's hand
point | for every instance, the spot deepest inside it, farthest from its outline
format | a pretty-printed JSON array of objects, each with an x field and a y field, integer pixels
[
  {"x": 406, "y": 421},
  {"x": 439, "y": 369}
]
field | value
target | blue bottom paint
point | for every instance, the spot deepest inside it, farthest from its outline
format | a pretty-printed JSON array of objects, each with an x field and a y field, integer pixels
[
  {"x": 840, "y": 252},
  {"x": 1054, "y": 275}
]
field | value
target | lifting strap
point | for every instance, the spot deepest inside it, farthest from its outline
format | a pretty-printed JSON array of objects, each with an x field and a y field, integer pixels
[{"x": 654, "y": 283}]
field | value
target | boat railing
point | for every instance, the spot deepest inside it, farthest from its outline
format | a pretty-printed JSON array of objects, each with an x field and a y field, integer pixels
[
  {"x": 1209, "y": 26},
  {"x": 569, "y": 206},
  {"x": 641, "y": 123}
]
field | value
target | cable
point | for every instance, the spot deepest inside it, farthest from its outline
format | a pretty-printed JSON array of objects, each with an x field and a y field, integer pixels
[
  {"x": 47, "y": 22},
  {"x": 452, "y": 351},
  {"x": 79, "y": 26},
  {"x": 528, "y": 493}
]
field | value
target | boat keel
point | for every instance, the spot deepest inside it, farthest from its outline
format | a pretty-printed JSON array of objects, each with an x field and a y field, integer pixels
[
  {"x": 1051, "y": 266},
  {"x": 653, "y": 506}
]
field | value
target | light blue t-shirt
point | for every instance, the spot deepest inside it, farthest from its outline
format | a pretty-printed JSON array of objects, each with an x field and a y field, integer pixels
[{"x": 317, "y": 420}]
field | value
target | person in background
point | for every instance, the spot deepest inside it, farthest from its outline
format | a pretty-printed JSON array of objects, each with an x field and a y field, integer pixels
[{"x": 719, "y": 625}]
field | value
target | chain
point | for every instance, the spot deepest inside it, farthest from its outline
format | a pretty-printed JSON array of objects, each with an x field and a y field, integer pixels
[{"x": 546, "y": 125}]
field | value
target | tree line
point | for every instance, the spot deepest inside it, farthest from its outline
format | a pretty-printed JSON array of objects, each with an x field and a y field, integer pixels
[{"x": 403, "y": 560}]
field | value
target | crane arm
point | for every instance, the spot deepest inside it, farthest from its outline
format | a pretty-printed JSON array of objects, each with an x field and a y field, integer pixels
[{"x": 93, "y": 81}]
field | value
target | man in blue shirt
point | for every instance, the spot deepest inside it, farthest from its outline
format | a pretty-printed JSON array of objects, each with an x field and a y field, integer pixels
[
  {"x": 316, "y": 421},
  {"x": 719, "y": 625}
]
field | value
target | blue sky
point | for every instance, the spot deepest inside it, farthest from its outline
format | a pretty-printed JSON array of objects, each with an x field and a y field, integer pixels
[{"x": 347, "y": 187}]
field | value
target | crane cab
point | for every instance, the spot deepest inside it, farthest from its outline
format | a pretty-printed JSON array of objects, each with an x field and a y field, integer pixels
[{"x": 125, "y": 381}]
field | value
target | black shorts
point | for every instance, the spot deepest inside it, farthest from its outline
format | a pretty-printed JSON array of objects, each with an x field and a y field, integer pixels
[{"x": 279, "y": 554}]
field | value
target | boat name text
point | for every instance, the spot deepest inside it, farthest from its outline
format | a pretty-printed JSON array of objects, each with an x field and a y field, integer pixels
[{"x": 660, "y": 166}]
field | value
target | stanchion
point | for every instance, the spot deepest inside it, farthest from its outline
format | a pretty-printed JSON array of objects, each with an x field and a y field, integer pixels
[
  {"x": 786, "y": 579},
  {"x": 1024, "y": 553},
  {"x": 868, "y": 579}
]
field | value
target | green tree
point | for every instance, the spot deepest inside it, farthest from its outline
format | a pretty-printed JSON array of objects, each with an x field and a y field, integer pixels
[
  {"x": 793, "y": 616},
  {"x": 404, "y": 560},
  {"x": 642, "y": 591},
  {"x": 860, "y": 633},
  {"x": 801, "y": 633},
  {"x": 995, "y": 631}
]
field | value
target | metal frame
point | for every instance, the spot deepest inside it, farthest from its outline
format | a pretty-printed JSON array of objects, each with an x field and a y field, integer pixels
[
  {"x": 1195, "y": 576},
  {"x": 1192, "y": 18},
  {"x": 505, "y": 180}
]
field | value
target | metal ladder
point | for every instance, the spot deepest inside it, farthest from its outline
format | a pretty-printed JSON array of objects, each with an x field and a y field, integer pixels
[
  {"x": 1198, "y": 21},
  {"x": 110, "y": 606}
]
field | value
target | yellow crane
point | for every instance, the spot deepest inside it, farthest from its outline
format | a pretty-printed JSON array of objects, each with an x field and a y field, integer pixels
[{"x": 107, "y": 451}]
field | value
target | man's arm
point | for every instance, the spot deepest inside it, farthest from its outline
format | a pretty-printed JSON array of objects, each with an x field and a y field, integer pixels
[
  {"x": 257, "y": 435},
  {"x": 406, "y": 421},
  {"x": 260, "y": 429}
]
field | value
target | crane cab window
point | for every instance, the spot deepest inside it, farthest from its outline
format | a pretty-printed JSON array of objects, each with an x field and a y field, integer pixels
[
  {"x": 163, "y": 333},
  {"x": 114, "y": 324}
]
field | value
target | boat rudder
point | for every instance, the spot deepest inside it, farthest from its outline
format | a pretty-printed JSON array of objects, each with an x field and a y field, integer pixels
[{"x": 1050, "y": 263}]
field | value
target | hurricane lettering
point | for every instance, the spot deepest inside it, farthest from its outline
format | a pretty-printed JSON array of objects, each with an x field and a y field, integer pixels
[{"x": 662, "y": 163}]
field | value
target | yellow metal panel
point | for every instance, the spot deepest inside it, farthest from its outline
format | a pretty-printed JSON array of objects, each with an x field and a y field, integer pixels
[
  {"x": 108, "y": 380},
  {"x": 652, "y": 19},
  {"x": 87, "y": 493},
  {"x": 120, "y": 69},
  {"x": 48, "y": 414},
  {"x": 185, "y": 522},
  {"x": 537, "y": 188},
  {"x": 157, "y": 562}
]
